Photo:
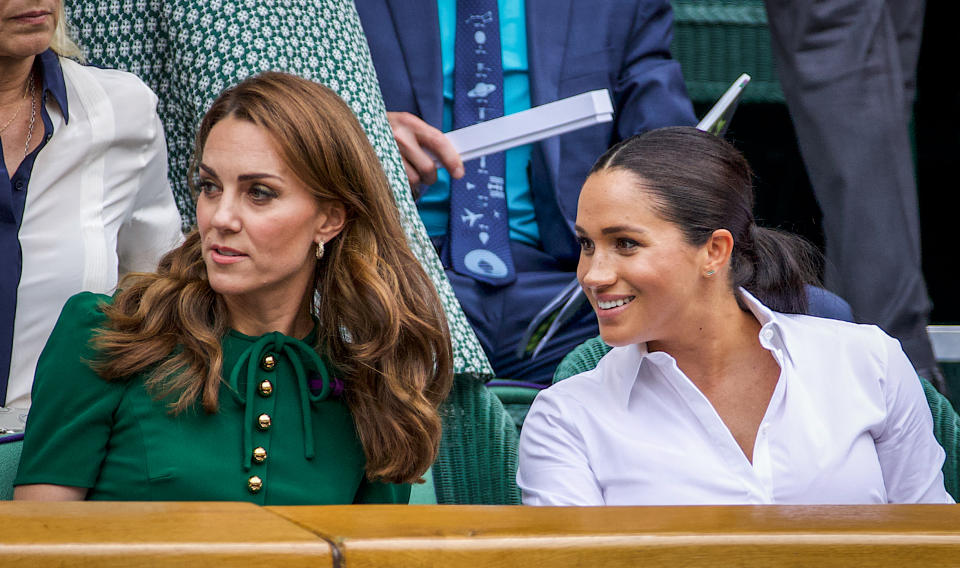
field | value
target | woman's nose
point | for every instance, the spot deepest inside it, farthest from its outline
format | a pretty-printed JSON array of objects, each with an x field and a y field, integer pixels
[
  {"x": 596, "y": 271},
  {"x": 226, "y": 216}
]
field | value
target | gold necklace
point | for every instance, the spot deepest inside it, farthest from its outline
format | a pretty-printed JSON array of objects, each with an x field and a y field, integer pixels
[
  {"x": 12, "y": 118},
  {"x": 33, "y": 114},
  {"x": 19, "y": 106}
]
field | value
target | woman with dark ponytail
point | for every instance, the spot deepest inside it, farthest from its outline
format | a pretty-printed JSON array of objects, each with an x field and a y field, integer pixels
[{"x": 718, "y": 390}]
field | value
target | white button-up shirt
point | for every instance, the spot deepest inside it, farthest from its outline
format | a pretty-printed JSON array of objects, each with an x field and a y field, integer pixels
[
  {"x": 99, "y": 205},
  {"x": 848, "y": 423}
]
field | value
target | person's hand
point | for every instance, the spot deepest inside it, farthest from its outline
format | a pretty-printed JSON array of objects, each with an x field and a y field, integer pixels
[{"x": 416, "y": 138}]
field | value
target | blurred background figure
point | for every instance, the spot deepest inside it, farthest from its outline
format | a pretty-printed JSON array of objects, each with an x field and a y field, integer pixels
[
  {"x": 848, "y": 73},
  {"x": 445, "y": 64},
  {"x": 84, "y": 194}
]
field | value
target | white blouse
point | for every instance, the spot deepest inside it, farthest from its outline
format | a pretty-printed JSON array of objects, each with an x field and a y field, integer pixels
[
  {"x": 99, "y": 204},
  {"x": 848, "y": 423}
]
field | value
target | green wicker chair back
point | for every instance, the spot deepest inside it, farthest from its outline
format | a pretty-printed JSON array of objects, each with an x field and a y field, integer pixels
[
  {"x": 10, "y": 447},
  {"x": 516, "y": 396},
  {"x": 717, "y": 40},
  {"x": 946, "y": 425},
  {"x": 946, "y": 422},
  {"x": 583, "y": 358},
  {"x": 478, "y": 453}
]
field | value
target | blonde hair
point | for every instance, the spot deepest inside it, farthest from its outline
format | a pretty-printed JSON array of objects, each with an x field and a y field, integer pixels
[
  {"x": 61, "y": 42},
  {"x": 380, "y": 318}
]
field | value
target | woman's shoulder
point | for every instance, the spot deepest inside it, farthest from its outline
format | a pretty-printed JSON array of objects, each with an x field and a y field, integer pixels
[
  {"x": 810, "y": 337},
  {"x": 118, "y": 86},
  {"x": 587, "y": 388},
  {"x": 85, "y": 309},
  {"x": 69, "y": 349},
  {"x": 831, "y": 330}
]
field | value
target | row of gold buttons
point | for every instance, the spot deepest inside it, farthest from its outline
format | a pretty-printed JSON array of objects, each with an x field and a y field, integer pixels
[{"x": 265, "y": 389}]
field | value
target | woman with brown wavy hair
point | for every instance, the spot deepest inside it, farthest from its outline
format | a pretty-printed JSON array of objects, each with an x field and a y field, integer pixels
[{"x": 291, "y": 351}]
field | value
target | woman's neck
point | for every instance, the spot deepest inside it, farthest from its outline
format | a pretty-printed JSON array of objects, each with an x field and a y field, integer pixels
[
  {"x": 14, "y": 74},
  {"x": 714, "y": 340},
  {"x": 256, "y": 318}
]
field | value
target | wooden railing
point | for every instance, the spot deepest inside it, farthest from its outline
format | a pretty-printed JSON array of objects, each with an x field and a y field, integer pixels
[{"x": 237, "y": 534}]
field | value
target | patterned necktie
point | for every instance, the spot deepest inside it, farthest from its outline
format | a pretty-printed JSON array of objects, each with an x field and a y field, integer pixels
[{"x": 479, "y": 228}]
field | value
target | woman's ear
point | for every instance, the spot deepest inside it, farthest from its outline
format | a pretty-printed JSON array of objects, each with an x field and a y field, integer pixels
[
  {"x": 330, "y": 220},
  {"x": 718, "y": 249}
]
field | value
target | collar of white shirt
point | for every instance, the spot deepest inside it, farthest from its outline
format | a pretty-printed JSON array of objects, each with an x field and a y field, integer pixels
[{"x": 773, "y": 336}]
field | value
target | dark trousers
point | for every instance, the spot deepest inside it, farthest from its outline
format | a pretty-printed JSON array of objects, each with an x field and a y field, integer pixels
[{"x": 848, "y": 73}]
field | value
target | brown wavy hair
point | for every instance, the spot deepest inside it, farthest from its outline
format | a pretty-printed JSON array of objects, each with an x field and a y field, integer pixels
[{"x": 384, "y": 323}]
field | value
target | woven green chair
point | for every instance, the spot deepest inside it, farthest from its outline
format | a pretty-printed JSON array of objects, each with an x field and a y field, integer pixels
[
  {"x": 516, "y": 396},
  {"x": 946, "y": 425},
  {"x": 946, "y": 422},
  {"x": 478, "y": 453},
  {"x": 10, "y": 447},
  {"x": 717, "y": 40}
]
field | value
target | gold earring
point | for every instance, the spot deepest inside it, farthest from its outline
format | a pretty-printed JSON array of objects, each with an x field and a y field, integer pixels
[{"x": 319, "y": 249}]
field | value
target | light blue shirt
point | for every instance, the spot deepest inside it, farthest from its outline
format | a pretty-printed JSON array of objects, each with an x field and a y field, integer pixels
[{"x": 434, "y": 205}]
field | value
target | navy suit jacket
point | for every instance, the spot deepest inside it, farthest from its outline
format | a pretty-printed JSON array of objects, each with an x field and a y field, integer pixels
[{"x": 573, "y": 46}]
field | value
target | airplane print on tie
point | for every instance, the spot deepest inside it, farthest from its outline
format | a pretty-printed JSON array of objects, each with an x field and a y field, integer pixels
[{"x": 479, "y": 224}]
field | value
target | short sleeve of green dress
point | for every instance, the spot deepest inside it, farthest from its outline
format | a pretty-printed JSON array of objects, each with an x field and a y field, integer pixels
[{"x": 282, "y": 434}]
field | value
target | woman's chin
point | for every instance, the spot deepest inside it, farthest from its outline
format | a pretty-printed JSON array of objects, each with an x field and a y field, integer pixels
[
  {"x": 228, "y": 286},
  {"x": 616, "y": 337}
]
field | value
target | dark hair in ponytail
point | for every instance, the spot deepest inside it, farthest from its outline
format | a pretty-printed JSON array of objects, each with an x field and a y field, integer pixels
[{"x": 701, "y": 183}]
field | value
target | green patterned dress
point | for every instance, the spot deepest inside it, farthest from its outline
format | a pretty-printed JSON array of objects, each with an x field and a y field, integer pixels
[{"x": 189, "y": 51}]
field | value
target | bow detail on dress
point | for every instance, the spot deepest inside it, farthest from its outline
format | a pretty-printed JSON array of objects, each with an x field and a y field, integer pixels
[{"x": 294, "y": 350}]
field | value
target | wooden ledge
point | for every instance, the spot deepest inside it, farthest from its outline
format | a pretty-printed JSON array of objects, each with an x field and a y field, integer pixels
[
  {"x": 883, "y": 535},
  {"x": 121, "y": 534},
  {"x": 242, "y": 534}
]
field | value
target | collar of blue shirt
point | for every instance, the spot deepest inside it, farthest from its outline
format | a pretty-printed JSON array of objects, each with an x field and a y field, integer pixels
[{"x": 48, "y": 64}]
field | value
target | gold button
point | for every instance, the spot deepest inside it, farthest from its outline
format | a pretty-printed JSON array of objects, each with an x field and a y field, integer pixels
[
  {"x": 263, "y": 422},
  {"x": 254, "y": 484},
  {"x": 268, "y": 362},
  {"x": 266, "y": 388},
  {"x": 259, "y": 455}
]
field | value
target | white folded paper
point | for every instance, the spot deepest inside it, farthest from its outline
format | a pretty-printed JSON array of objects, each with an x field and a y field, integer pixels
[{"x": 533, "y": 124}]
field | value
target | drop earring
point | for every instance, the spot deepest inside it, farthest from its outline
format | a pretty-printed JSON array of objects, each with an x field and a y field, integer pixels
[{"x": 319, "y": 249}]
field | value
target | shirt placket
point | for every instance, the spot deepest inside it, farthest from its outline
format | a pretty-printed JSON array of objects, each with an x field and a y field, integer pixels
[
  {"x": 723, "y": 441},
  {"x": 763, "y": 466},
  {"x": 13, "y": 198}
]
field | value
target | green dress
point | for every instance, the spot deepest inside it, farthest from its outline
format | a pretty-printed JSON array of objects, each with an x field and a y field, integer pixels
[{"x": 282, "y": 435}]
